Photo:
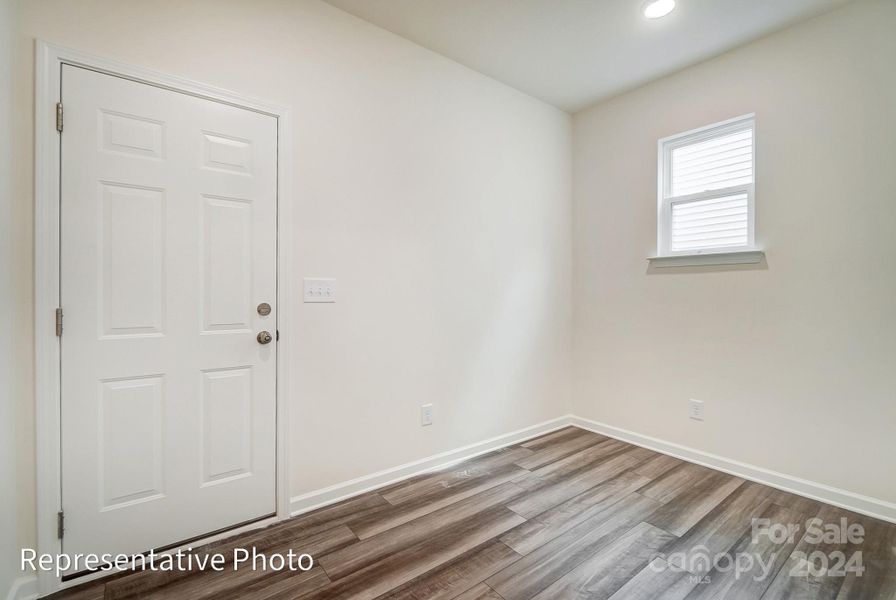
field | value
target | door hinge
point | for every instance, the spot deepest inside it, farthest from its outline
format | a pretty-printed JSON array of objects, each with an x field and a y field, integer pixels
[
  {"x": 60, "y": 524},
  {"x": 59, "y": 117},
  {"x": 58, "y": 321}
]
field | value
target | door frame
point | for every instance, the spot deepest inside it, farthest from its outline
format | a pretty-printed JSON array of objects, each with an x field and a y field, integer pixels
[{"x": 49, "y": 59}]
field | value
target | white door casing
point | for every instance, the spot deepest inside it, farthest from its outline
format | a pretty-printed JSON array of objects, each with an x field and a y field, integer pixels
[{"x": 168, "y": 243}]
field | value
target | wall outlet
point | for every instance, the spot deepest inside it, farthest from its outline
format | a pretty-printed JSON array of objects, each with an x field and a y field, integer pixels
[
  {"x": 426, "y": 415},
  {"x": 695, "y": 410},
  {"x": 320, "y": 290}
]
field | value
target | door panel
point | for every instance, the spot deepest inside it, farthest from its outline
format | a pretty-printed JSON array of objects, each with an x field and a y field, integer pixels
[
  {"x": 226, "y": 264},
  {"x": 226, "y": 424},
  {"x": 168, "y": 239},
  {"x": 131, "y": 248},
  {"x": 130, "y": 451}
]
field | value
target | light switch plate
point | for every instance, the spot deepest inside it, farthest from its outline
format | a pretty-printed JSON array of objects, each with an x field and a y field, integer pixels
[{"x": 320, "y": 290}]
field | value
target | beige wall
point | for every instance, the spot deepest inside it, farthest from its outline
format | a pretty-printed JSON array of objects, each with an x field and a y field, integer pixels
[
  {"x": 8, "y": 512},
  {"x": 440, "y": 200},
  {"x": 796, "y": 360}
]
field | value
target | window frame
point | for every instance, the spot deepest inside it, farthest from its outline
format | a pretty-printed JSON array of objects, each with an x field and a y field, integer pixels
[{"x": 665, "y": 200}]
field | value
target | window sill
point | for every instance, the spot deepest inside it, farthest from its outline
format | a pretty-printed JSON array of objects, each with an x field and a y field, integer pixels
[{"x": 740, "y": 257}]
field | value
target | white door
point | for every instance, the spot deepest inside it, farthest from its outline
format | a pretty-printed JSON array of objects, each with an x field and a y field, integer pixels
[{"x": 168, "y": 246}]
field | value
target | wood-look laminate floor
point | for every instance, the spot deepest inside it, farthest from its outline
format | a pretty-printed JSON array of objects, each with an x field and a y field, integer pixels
[{"x": 571, "y": 514}]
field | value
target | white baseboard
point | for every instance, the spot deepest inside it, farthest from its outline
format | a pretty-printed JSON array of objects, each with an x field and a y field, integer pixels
[
  {"x": 341, "y": 491},
  {"x": 23, "y": 588},
  {"x": 872, "y": 507},
  {"x": 866, "y": 505}
]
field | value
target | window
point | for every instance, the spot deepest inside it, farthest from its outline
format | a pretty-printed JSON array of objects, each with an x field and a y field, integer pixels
[{"x": 706, "y": 178}]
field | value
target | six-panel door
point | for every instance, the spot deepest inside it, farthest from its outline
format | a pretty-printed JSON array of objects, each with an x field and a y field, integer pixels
[{"x": 168, "y": 238}]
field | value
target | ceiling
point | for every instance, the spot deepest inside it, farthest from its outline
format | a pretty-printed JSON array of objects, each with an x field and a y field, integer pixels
[{"x": 573, "y": 53}]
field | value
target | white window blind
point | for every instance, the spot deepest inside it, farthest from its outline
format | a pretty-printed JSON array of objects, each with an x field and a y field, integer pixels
[
  {"x": 706, "y": 189},
  {"x": 713, "y": 164},
  {"x": 714, "y": 223}
]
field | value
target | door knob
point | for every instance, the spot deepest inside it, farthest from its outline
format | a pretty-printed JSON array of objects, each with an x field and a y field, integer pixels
[{"x": 264, "y": 337}]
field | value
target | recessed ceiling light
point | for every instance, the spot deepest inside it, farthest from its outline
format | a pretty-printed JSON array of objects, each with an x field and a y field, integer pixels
[{"x": 658, "y": 8}]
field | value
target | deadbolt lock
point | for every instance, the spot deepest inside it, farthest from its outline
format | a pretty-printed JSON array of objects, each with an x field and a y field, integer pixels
[
  {"x": 264, "y": 309},
  {"x": 264, "y": 337}
]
